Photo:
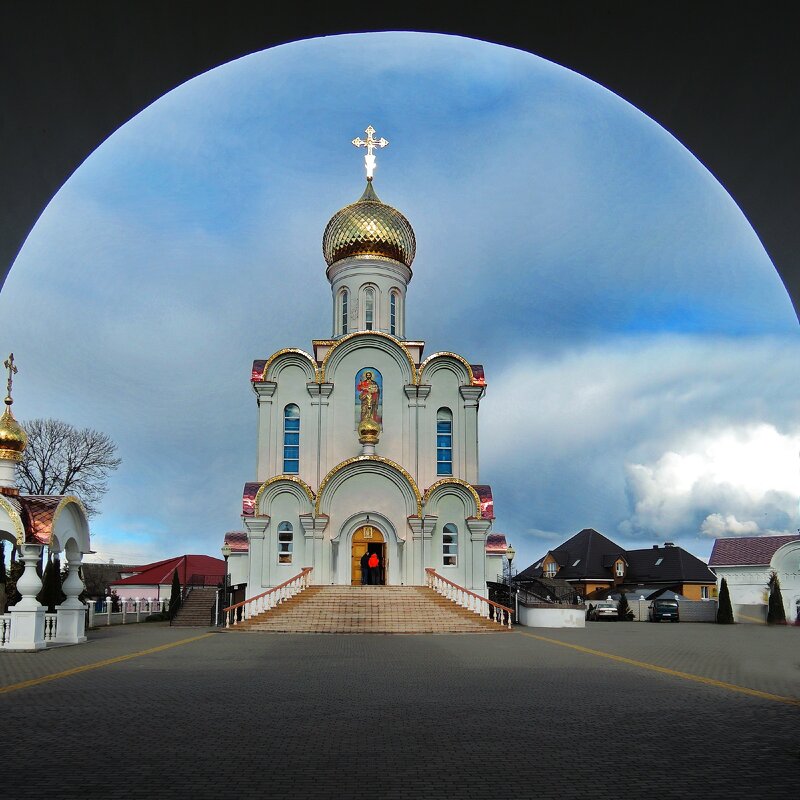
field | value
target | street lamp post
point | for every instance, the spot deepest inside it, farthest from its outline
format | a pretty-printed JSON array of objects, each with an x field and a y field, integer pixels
[
  {"x": 226, "y": 551},
  {"x": 510, "y": 553}
]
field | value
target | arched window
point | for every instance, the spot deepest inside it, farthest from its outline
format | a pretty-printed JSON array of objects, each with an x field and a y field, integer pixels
[
  {"x": 369, "y": 309},
  {"x": 291, "y": 440},
  {"x": 344, "y": 311},
  {"x": 450, "y": 545},
  {"x": 285, "y": 542},
  {"x": 393, "y": 313},
  {"x": 444, "y": 442}
]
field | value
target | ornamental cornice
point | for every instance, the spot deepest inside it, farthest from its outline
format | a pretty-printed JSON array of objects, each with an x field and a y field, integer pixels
[
  {"x": 446, "y": 354},
  {"x": 454, "y": 482},
  {"x": 321, "y": 374},
  {"x": 290, "y": 351},
  {"x": 366, "y": 460},
  {"x": 10, "y": 455},
  {"x": 291, "y": 478},
  {"x": 15, "y": 518}
]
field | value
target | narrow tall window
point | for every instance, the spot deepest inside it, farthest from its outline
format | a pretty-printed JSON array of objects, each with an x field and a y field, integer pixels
[
  {"x": 344, "y": 311},
  {"x": 444, "y": 442},
  {"x": 369, "y": 308},
  {"x": 291, "y": 440},
  {"x": 285, "y": 542},
  {"x": 450, "y": 545},
  {"x": 393, "y": 313}
]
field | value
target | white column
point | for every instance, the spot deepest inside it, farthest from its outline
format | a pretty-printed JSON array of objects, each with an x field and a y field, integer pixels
[
  {"x": 27, "y": 616},
  {"x": 258, "y": 577},
  {"x": 320, "y": 400},
  {"x": 478, "y": 529},
  {"x": 71, "y": 619},
  {"x": 471, "y": 395},
  {"x": 422, "y": 542},
  {"x": 416, "y": 396},
  {"x": 264, "y": 391}
]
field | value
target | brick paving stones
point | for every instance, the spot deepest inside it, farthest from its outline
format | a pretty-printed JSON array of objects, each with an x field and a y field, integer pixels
[{"x": 406, "y": 716}]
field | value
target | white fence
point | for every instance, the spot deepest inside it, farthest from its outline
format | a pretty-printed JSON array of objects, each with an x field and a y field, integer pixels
[{"x": 132, "y": 610}]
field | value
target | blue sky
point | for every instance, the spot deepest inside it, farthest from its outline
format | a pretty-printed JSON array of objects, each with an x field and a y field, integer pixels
[{"x": 640, "y": 349}]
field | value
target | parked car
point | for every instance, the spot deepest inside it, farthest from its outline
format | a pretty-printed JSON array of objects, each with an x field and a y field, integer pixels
[
  {"x": 604, "y": 609},
  {"x": 663, "y": 610}
]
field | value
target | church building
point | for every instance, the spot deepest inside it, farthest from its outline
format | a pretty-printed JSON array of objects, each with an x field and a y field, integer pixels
[{"x": 365, "y": 445}]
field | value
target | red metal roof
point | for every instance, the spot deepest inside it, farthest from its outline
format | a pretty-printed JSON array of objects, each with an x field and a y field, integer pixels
[
  {"x": 496, "y": 544},
  {"x": 237, "y": 541},
  {"x": 487, "y": 501},
  {"x": 249, "y": 499},
  {"x": 160, "y": 572},
  {"x": 747, "y": 550}
]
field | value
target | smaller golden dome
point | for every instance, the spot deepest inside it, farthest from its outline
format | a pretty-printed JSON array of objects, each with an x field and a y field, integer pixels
[
  {"x": 369, "y": 227},
  {"x": 13, "y": 439}
]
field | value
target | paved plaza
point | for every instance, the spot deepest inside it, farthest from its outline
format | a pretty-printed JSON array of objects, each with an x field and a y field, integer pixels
[{"x": 612, "y": 711}]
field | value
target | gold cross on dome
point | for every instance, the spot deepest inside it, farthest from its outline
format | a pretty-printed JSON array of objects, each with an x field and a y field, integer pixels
[
  {"x": 12, "y": 370},
  {"x": 370, "y": 143}
]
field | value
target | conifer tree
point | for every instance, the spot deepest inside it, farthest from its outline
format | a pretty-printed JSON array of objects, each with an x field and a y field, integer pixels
[
  {"x": 776, "y": 614},
  {"x": 624, "y": 612},
  {"x": 724, "y": 607},
  {"x": 3, "y": 577},
  {"x": 51, "y": 594},
  {"x": 175, "y": 595}
]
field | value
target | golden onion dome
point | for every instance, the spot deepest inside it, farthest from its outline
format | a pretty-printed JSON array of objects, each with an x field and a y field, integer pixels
[
  {"x": 369, "y": 227},
  {"x": 13, "y": 439}
]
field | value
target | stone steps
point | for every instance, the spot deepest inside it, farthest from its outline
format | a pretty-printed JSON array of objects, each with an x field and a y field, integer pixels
[
  {"x": 369, "y": 609},
  {"x": 196, "y": 611}
]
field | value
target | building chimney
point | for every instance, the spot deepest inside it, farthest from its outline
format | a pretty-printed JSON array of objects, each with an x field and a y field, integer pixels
[
  {"x": 655, "y": 547},
  {"x": 669, "y": 544}
]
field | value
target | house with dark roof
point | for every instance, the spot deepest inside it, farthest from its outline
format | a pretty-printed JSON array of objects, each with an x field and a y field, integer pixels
[
  {"x": 597, "y": 567},
  {"x": 746, "y": 563}
]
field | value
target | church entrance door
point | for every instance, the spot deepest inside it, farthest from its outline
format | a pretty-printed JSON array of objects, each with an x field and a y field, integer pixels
[{"x": 368, "y": 540}]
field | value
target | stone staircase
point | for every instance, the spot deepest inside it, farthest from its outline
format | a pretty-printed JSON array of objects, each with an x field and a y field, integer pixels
[
  {"x": 369, "y": 609},
  {"x": 197, "y": 609}
]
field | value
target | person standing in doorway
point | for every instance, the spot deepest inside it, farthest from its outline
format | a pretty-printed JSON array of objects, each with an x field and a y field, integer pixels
[
  {"x": 365, "y": 568},
  {"x": 374, "y": 569}
]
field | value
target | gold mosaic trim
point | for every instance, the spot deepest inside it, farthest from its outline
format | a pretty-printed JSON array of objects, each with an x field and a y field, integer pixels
[
  {"x": 295, "y": 351},
  {"x": 70, "y": 499},
  {"x": 455, "y": 482},
  {"x": 375, "y": 459},
  {"x": 291, "y": 478},
  {"x": 446, "y": 354},
  {"x": 380, "y": 334},
  {"x": 10, "y": 455},
  {"x": 15, "y": 519}
]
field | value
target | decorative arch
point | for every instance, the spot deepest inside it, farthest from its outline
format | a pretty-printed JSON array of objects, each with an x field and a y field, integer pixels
[
  {"x": 464, "y": 370},
  {"x": 465, "y": 490},
  {"x": 387, "y": 343},
  {"x": 14, "y": 518},
  {"x": 290, "y": 355},
  {"x": 378, "y": 464},
  {"x": 291, "y": 483},
  {"x": 77, "y": 514}
]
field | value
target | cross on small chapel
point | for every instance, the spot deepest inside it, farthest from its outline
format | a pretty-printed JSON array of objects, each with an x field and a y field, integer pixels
[
  {"x": 370, "y": 143},
  {"x": 12, "y": 370}
]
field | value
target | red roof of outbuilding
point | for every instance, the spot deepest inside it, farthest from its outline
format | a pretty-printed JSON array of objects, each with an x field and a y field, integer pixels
[
  {"x": 747, "y": 550},
  {"x": 160, "y": 572}
]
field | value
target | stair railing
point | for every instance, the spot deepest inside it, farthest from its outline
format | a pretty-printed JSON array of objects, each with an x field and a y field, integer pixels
[
  {"x": 467, "y": 599},
  {"x": 240, "y": 612}
]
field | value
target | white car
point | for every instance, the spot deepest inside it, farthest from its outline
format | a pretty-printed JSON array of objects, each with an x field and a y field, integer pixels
[{"x": 605, "y": 609}]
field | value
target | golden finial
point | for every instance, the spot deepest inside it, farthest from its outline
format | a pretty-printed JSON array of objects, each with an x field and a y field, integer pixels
[
  {"x": 13, "y": 438},
  {"x": 12, "y": 371},
  {"x": 370, "y": 143}
]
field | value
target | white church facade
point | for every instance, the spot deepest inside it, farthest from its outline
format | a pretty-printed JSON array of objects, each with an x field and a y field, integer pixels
[{"x": 365, "y": 445}]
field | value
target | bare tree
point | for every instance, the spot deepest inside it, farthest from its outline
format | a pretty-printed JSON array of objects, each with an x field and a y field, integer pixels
[{"x": 61, "y": 459}]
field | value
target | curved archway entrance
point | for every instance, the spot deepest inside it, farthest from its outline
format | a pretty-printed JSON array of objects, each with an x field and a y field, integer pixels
[{"x": 367, "y": 541}]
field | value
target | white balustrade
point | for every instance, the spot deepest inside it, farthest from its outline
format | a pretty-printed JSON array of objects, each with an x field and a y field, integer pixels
[
  {"x": 467, "y": 599},
  {"x": 50, "y": 627},
  {"x": 253, "y": 606},
  {"x": 5, "y": 629}
]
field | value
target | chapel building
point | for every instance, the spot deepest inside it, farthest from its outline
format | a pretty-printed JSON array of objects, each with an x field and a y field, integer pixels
[{"x": 364, "y": 444}]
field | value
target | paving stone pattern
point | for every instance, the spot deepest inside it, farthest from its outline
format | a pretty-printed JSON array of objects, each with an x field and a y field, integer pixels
[{"x": 406, "y": 716}]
